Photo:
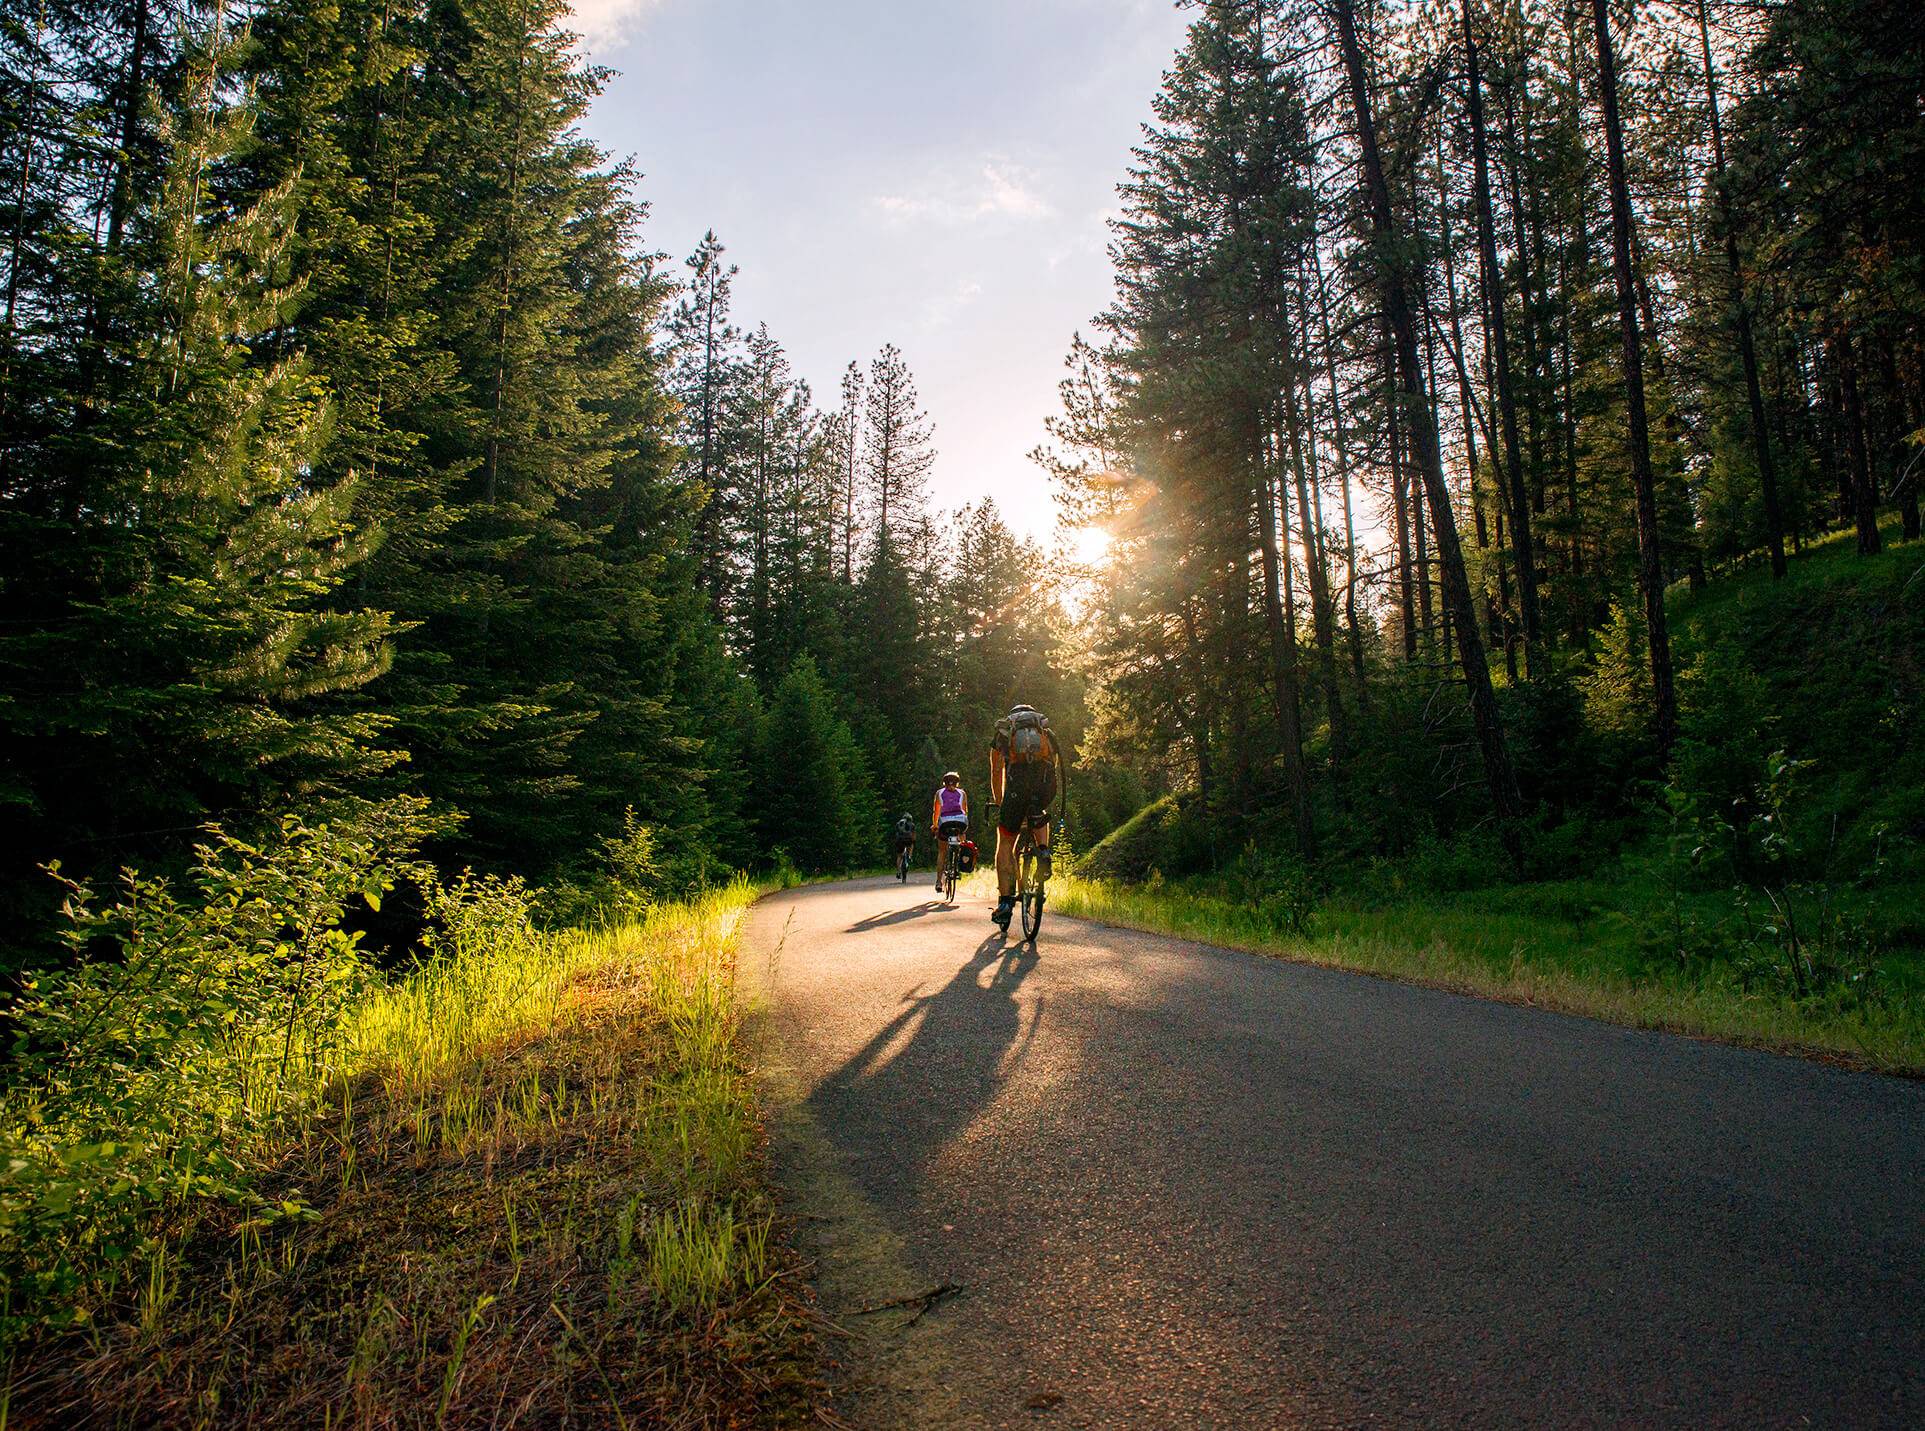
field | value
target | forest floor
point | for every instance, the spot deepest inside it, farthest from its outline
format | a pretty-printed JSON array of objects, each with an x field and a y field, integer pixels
[
  {"x": 565, "y": 1222},
  {"x": 1114, "y": 1179},
  {"x": 1572, "y": 945}
]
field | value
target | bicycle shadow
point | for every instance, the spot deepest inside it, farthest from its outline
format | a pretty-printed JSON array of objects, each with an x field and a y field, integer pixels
[
  {"x": 921, "y": 1079},
  {"x": 898, "y": 916}
]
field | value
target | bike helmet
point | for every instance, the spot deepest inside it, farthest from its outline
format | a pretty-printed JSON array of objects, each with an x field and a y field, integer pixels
[{"x": 949, "y": 775}]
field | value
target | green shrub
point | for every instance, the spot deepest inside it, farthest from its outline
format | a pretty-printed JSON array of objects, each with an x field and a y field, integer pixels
[
  {"x": 185, "y": 1031},
  {"x": 1789, "y": 924},
  {"x": 634, "y": 871}
]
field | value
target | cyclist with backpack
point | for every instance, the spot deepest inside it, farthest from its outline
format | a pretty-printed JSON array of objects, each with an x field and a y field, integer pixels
[
  {"x": 948, "y": 813},
  {"x": 1023, "y": 779},
  {"x": 905, "y": 844}
]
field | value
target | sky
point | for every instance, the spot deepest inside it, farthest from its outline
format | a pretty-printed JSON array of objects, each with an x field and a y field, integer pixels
[{"x": 932, "y": 173}]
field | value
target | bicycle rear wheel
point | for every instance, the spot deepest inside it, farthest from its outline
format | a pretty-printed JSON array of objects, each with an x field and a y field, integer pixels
[{"x": 1029, "y": 893}]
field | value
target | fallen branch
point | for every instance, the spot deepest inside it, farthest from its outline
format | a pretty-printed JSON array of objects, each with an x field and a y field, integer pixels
[{"x": 922, "y": 1301}]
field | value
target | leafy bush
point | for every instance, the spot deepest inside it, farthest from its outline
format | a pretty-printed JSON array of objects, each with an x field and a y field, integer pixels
[
  {"x": 1278, "y": 888},
  {"x": 1727, "y": 729},
  {"x": 633, "y": 865},
  {"x": 1787, "y": 928},
  {"x": 186, "y": 1030}
]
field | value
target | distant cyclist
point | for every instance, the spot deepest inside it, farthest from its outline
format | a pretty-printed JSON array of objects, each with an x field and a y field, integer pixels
[
  {"x": 948, "y": 813},
  {"x": 905, "y": 843},
  {"x": 1023, "y": 779}
]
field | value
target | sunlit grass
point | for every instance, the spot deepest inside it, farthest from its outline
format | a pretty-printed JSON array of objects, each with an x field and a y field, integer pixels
[
  {"x": 538, "y": 1185},
  {"x": 1558, "y": 947}
]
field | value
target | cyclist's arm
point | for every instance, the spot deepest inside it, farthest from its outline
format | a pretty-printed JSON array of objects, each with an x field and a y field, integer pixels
[{"x": 995, "y": 775}]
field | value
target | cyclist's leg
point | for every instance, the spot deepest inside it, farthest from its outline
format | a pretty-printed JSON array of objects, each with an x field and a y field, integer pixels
[{"x": 1005, "y": 862}]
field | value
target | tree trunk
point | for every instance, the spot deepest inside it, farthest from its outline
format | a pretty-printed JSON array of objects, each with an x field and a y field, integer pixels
[
  {"x": 1576, "y": 612},
  {"x": 1741, "y": 314},
  {"x": 1664, "y": 717},
  {"x": 1320, "y": 613},
  {"x": 1356, "y": 641},
  {"x": 1893, "y": 426},
  {"x": 1395, "y": 289},
  {"x": 1523, "y": 559},
  {"x": 1283, "y": 653},
  {"x": 1905, "y": 482},
  {"x": 1864, "y": 495},
  {"x": 123, "y": 189},
  {"x": 1480, "y": 527},
  {"x": 1399, "y": 499}
]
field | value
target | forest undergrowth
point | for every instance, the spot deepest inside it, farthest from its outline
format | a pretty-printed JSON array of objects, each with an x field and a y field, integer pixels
[
  {"x": 1766, "y": 886},
  {"x": 519, "y": 1184}
]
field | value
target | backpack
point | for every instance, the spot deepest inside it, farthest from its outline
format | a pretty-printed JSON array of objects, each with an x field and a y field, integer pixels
[{"x": 1026, "y": 738}]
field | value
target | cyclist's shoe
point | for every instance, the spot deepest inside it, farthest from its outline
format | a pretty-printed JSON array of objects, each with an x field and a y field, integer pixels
[{"x": 1000, "y": 915}]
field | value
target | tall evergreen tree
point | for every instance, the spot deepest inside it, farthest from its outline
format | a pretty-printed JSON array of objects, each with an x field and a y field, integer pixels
[
  {"x": 167, "y": 640},
  {"x": 898, "y": 442}
]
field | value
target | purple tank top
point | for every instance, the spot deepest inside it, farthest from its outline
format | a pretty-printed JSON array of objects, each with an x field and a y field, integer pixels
[{"x": 952, "y": 804}]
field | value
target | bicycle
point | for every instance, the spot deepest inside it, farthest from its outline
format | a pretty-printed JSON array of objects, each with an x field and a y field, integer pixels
[
  {"x": 902, "y": 864},
  {"x": 1032, "y": 875},
  {"x": 951, "y": 856}
]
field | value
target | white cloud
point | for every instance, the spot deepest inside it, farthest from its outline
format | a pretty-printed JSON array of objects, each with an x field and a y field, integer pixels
[
  {"x": 605, "y": 24},
  {"x": 943, "y": 309},
  {"x": 998, "y": 189}
]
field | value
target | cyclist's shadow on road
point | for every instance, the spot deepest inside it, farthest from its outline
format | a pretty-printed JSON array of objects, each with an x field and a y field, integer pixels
[
  {"x": 926, "y": 1074},
  {"x": 899, "y": 916}
]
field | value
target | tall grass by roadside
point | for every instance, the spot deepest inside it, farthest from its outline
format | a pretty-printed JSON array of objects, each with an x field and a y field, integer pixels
[
  {"x": 1568, "y": 946},
  {"x": 531, "y": 1194}
]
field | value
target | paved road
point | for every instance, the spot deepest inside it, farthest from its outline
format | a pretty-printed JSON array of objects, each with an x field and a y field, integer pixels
[{"x": 1187, "y": 1187}]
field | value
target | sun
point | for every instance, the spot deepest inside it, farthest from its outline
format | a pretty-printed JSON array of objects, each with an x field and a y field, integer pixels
[{"x": 1090, "y": 546}]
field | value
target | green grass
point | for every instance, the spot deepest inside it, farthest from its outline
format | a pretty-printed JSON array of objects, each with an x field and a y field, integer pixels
[
  {"x": 537, "y": 1198},
  {"x": 1570, "y": 946},
  {"x": 1824, "y": 666}
]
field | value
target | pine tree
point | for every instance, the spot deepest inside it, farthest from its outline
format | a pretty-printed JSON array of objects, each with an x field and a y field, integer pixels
[
  {"x": 703, "y": 343},
  {"x": 814, "y": 800},
  {"x": 845, "y": 445},
  {"x": 169, "y": 642},
  {"x": 898, "y": 442}
]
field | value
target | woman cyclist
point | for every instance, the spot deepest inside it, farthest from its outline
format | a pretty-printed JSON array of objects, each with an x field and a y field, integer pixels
[{"x": 948, "y": 814}]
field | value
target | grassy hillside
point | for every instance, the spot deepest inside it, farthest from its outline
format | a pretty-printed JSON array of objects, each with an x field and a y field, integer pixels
[
  {"x": 1827, "y": 665},
  {"x": 1767, "y": 887}
]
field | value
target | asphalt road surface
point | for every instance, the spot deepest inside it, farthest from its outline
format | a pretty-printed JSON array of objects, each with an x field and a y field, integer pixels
[{"x": 1176, "y": 1186}]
